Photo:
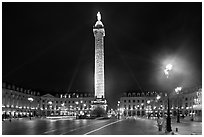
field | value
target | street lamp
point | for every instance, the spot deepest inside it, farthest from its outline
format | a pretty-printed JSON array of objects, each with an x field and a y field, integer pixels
[
  {"x": 50, "y": 103},
  {"x": 157, "y": 99},
  {"x": 77, "y": 108},
  {"x": 118, "y": 109},
  {"x": 30, "y": 99},
  {"x": 148, "y": 108},
  {"x": 168, "y": 69},
  {"x": 168, "y": 119},
  {"x": 177, "y": 90}
]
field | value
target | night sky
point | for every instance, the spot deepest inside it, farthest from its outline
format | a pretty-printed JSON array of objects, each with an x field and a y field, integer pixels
[{"x": 50, "y": 46}]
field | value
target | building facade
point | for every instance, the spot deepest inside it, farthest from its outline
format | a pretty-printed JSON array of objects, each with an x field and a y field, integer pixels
[
  {"x": 188, "y": 103},
  {"x": 69, "y": 104},
  {"x": 137, "y": 103},
  {"x": 15, "y": 101},
  {"x": 20, "y": 102}
]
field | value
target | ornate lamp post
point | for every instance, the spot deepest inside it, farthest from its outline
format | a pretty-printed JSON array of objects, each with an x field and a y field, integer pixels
[
  {"x": 148, "y": 108},
  {"x": 177, "y": 90},
  {"x": 118, "y": 109},
  {"x": 30, "y": 99},
  {"x": 50, "y": 103},
  {"x": 168, "y": 119},
  {"x": 157, "y": 99}
]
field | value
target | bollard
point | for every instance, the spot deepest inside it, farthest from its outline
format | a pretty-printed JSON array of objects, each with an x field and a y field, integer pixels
[{"x": 176, "y": 129}]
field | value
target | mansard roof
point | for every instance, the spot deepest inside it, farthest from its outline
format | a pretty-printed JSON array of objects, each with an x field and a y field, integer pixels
[{"x": 140, "y": 93}]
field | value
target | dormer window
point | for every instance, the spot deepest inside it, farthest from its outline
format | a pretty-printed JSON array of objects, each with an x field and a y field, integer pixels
[{"x": 129, "y": 94}]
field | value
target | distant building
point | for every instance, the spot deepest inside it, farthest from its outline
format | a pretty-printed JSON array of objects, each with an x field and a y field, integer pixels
[
  {"x": 154, "y": 104},
  {"x": 189, "y": 102},
  {"x": 70, "y": 104},
  {"x": 20, "y": 102},
  {"x": 138, "y": 103},
  {"x": 15, "y": 101}
]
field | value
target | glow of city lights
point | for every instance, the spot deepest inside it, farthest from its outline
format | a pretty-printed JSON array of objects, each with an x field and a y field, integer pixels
[
  {"x": 30, "y": 99},
  {"x": 148, "y": 101},
  {"x": 50, "y": 102},
  {"x": 158, "y": 97},
  {"x": 167, "y": 69},
  {"x": 178, "y": 89}
]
